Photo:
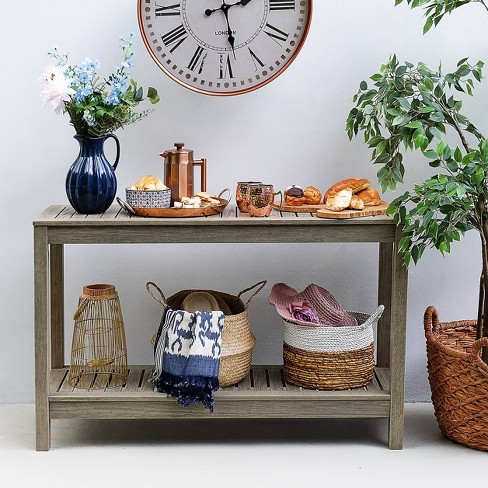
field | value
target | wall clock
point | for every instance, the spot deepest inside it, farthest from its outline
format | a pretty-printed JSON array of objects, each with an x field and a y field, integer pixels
[{"x": 224, "y": 47}]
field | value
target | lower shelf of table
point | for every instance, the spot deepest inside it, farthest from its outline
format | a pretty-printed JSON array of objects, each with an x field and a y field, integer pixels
[{"x": 262, "y": 394}]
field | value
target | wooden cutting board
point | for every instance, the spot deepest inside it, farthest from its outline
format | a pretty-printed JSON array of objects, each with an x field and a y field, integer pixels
[
  {"x": 299, "y": 208},
  {"x": 350, "y": 214}
]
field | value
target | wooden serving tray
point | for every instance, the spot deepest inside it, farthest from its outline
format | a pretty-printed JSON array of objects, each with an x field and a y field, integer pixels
[
  {"x": 350, "y": 213},
  {"x": 175, "y": 212}
]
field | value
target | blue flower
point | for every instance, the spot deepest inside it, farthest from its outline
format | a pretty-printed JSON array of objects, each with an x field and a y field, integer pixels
[{"x": 113, "y": 97}]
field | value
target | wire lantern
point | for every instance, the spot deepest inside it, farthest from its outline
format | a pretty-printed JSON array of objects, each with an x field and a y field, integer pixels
[{"x": 98, "y": 351}]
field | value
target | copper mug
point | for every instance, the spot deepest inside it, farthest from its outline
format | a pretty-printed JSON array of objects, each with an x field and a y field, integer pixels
[
  {"x": 260, "y": 200},
  {"x": 241, "y": 194}
]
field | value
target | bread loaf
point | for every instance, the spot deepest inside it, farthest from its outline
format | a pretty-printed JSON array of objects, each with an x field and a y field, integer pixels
[
  {"x": 354, "y": 184},
  {"x": 339, "y": 201},
  {"x": 339, "y": 196}
]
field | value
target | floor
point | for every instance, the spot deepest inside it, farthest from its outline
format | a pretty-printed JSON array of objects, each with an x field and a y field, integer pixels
[{"x": 281, "y": 453}]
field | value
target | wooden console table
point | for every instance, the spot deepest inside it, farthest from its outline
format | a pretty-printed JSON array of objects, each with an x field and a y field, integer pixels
[{"x": 263, "y": 394}]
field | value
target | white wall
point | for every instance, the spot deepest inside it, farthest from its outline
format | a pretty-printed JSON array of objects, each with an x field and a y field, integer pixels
[{"x": 289, "y": 132}]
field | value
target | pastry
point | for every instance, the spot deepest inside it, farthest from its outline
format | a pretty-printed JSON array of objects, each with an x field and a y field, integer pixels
[
  {"x": 369, "y": 197},
  {"x": 294, "y": 196},
  {"x": 312, "y": 195}
]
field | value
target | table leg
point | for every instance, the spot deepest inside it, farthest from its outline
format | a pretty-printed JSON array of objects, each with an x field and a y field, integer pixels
[
  {"x": 42, "y": 337},
  {"x": 57, "y": 305},
  {"x": 397, "y": 348},
  {"x": 385, "y": 276}
]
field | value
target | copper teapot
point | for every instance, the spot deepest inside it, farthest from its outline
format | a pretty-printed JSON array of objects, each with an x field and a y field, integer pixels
[{"x": 178, "y": 171}]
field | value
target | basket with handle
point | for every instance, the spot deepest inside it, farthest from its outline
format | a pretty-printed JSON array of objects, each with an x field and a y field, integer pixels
[
  {"x": 325, "y": 357},
  {"x": 458, "y": 379},
  {"x": 237, "y": 338}
]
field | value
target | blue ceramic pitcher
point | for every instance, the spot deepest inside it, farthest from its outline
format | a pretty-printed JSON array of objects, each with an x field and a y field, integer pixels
[{"x": 91, "y": 184}]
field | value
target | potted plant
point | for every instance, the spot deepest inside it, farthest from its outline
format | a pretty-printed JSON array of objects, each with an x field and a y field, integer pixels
[{"x": 412, "y": 107}]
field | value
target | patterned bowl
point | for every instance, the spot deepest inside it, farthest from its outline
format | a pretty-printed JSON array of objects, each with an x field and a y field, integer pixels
[{"x": 148, "y": 198}]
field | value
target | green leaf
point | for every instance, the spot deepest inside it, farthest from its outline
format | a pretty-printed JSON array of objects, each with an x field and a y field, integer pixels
[
  {"x": 479, "y": 176},
  {"x": 152, "y": 94},
  {"x": 414, "y": 124},
  {"x": 430, "y": 154},
  {"x": 458, "y": 155},
  {"x": 428, "y": 24}
]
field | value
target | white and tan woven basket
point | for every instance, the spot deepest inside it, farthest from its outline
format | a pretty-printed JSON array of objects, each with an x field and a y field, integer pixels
[{"x": 330, "y": 358}]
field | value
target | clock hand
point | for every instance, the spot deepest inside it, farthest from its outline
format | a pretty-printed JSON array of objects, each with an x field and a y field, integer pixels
[
  {"x": 209, "y": 11},
  {"x": 230, "y": 38},
  {"x": 225, "y": 10}
]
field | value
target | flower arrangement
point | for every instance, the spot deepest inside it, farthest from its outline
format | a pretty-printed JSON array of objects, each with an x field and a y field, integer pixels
[{"x": 96, "y": 107}]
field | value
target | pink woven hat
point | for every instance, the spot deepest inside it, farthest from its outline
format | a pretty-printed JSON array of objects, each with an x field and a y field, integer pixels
[{"x": 313, "y": 306}]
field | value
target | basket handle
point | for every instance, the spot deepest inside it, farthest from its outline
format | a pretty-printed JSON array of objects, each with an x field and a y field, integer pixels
[
  {"x": 431, "y": 320},
  {"x": 261, "y": 285},
  {"x": 376, "y": 315},
  {"x": 478, "y": 345},
  {"x": 161, "y": 299}
]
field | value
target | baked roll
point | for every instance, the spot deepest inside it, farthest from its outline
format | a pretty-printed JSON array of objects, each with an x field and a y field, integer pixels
[
  {"x": 312, "y": 195},
  {"x": 356, "y": 203},
  {"x": 369, "y": 197}
]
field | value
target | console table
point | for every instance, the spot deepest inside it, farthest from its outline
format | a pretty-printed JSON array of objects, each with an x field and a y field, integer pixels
[{"x": 263, "y": 394}]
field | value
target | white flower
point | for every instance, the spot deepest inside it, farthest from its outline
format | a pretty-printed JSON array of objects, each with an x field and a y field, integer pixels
[
  {"x": 51, "y": 72},
  {"x": 57, "y": 89}
]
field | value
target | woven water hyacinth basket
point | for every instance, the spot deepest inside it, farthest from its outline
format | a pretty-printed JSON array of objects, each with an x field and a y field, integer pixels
[
  {"x": 237, "y": 339},
  {"x": 458, "y": 379},
  {"x": 323, "y": 357}
]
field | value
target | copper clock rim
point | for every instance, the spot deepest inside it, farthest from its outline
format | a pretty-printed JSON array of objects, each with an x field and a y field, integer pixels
[{"x": 230, "y": 93}]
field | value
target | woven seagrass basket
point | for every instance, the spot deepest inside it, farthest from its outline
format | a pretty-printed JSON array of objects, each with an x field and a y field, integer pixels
[
  {"x": 237, "y": 339},
  {"x": 330, "y": 358},
  {"x": 458, "y": 379}
]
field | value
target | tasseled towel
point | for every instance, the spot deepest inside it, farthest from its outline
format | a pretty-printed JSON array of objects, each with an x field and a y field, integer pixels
[{"x": 187, "y": 355}]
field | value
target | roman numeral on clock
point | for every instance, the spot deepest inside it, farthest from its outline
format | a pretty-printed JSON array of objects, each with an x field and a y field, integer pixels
[
  {"x": 174, "y": 37},
  {"x": 225, "y": 67},
  {"x": 276, "y": 34},
  {"x": 169, "y": 10},
  {"x": 281, "y": 5},
  {"x": 255, "y": 60},
  {"x": 198, "y": 59}
]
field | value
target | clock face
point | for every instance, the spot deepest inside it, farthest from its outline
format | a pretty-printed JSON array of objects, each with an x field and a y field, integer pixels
[{"x": 224, "y": 47}]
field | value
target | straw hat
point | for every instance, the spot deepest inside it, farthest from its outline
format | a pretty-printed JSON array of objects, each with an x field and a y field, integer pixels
[
  {"x": 325, "y": 307},
  {"x": 204, "y": 301}
]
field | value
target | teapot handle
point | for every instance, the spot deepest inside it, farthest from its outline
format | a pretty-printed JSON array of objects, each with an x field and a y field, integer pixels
[
  {"x": 117, "y": 143},
  {"x": 203, "y": 179}
]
